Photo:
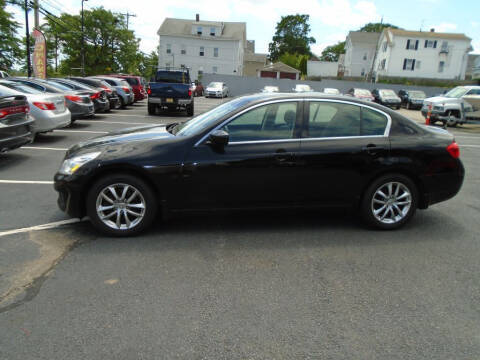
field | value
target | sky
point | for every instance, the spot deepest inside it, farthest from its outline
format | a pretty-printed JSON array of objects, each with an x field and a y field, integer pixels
[{"x": 330, "y": 20}]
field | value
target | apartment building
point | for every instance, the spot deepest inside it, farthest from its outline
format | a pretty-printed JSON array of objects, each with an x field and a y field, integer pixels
[{"x": 360, "y": 50}]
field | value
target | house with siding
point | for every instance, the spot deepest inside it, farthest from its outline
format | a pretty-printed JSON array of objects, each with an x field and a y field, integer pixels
[{"x": 360, "y": 48}]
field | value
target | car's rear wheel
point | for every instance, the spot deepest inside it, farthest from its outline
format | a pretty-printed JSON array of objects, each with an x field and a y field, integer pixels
[
  {"x": 190, "y": 109},
  {"x": 152, "y": 108},
  {"x": 389, "y": 202},
  {"x": 452, "y": 119},
  {"x": 408, "y": 105},
  {"x": 121, "y": 205}
]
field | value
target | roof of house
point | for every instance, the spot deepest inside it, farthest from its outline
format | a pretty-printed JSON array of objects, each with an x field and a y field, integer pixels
[
  {"x": 364, "y": 37},
  {"x": 183, "y": 27},
  {"x": 255, "y": 57},
  {"x": 279, "y": 66},
  {"x": 428, "y": 34}
]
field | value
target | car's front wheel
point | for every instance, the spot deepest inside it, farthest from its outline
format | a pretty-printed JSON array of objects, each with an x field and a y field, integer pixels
[
  {"x": 121, "y": 205},
  {"x": 389, "y": 202}
]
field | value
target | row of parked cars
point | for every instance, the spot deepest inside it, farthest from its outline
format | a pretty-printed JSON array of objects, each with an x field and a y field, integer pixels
[{"x": 29, "y": 106}]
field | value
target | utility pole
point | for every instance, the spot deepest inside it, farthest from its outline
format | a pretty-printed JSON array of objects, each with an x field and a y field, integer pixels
[
  {"x": 128, "y": 15},
  {"x": 83, "y": 44},
  {"x": 27, "y": 34},
  {"x": 36, "y": 15}
]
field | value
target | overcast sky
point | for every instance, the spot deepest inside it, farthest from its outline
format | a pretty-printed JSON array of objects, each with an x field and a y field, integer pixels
[{"x": 330, "y": 20}]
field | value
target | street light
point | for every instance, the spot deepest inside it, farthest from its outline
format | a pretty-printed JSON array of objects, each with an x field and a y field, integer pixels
[{"x": 83, "y": 44}]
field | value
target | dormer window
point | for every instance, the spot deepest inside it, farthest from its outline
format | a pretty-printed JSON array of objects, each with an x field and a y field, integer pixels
[
  {"x": 199, "y": 30},
  {"x": 212, "y": 31}
]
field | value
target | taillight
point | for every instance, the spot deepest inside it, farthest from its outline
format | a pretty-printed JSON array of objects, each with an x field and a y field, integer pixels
[
  {"x": 149, "y": 91},
  {"x": 14, "y": 110},
  {"x": 73, "y": 98},
  {"x": 95, "y": 96},
  {"x": 45, "y": 105},
  {"x": 189, "y": 92},
  {"x": 127, "y": 90},
  {"x": 454, "y": 150}
]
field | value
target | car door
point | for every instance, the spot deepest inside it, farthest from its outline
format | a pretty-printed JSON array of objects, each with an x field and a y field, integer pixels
[
  {"x": 473, "y": 98},
  {"x": 256, "y": 168},
  {"x": 342, "y": 143}
]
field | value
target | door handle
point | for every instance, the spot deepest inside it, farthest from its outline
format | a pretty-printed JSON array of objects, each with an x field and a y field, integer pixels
[
  {"x": 373, "y": 149},
  {"x": 283, "y": 157}
]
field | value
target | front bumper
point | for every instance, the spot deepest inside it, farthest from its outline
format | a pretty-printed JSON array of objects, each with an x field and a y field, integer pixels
[{"x": 70, "y": 198}]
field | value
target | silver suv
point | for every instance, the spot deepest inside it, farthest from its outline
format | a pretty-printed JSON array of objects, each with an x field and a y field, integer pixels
[{"x": 453, "y": 107}]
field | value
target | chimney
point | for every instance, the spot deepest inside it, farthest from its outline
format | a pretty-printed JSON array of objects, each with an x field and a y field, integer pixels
[
  {"x": 432, "y": 30},
  {"x": 197, "y": 17}
]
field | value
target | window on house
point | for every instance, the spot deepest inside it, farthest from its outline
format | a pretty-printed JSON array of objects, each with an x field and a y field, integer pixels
[
  {"x": 212, "y": 31},
  {"x": 363, "y": 72},
  {"x": 412, "y": 44},
  {"x": 182, "y": 66},
  {"x": 431, "y": 44},
  {"x": 199, "y": 30},
  {"x": 169, "y": 48},
  {"x": 445, "y": 46},
  {"x": 441, "y": 66},
  {"x": 183, "y": 51},
  {"x": 384, "y": 47},
  {"x": 215, "y": 52},
  {"x": 214, "y": 69},
  {"x": 365, "y": 56},
  {"x": 409, "y": 64},
  {"x": 202, "y": 51},
  {"x": 200, "y": 72},
  {"x": 167, "y": 65}
]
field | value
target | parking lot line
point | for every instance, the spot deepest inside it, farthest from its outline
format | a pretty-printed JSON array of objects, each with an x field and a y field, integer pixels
[
  {"x": 25, "y": 182},
  {"x": 40, "y": 227},
  {"x": 124, "y": 115},
  {"x": 114, "y": 122},
  {"x": 472, "y": 146},
  {"x": 83, "y": 131},
  {"x": 43, "y": 148}
]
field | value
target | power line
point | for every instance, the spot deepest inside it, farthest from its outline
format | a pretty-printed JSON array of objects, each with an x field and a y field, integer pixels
[{"x": 128, "y": 15}]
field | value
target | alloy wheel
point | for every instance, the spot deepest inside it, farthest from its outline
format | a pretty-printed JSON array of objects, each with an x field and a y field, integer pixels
[{"x": 391, "y": 202}]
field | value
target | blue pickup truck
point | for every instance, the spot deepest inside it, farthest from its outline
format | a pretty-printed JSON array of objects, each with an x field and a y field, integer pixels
[{"x": 171, "y": 90}]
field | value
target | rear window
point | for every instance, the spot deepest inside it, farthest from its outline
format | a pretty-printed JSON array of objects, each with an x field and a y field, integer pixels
[
  {"x": 176, "y": 77},
  {"x": 132, "y": 81}
]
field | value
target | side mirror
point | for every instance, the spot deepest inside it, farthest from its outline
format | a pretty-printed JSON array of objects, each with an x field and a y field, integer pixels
[{"x": 219, "y": 138}]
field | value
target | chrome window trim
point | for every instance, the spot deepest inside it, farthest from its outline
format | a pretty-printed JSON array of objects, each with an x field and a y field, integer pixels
[
  {"x": 244, "y": 111},
  {"x": 387, "y": 128},
  {"x": 385, "y": 134}
]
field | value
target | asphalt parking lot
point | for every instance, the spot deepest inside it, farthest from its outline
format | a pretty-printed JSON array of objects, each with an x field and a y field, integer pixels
[{"x": 281, "y": 285}]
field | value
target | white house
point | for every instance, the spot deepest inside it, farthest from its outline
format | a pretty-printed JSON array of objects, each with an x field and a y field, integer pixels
[
  {"x": 419, "y": 54},
  {"x": 322, "y": 68},
  {"x": 360, "y": 50},
  {"x": 202, "y": 46},
  {"x": 476, "y": 69}
]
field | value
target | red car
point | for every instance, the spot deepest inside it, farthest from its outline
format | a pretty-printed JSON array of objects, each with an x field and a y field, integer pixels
[{"x": 136, "y": 83}]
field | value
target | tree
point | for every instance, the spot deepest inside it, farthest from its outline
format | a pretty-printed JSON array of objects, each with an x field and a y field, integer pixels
[
  {"x": 296, "y": 61},
  {"x": 10, "y": 50},
  {"x": 332, "y": 53},
  {"x": 148, "y": 64},
  {"x": 291, "y": 36},
  {"x": 376, "y": 27}
]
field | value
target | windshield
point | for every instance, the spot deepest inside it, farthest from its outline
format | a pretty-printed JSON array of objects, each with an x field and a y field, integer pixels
[
  {"x": 457, "y": 92},
  {"x": 362, "y": 92},
  {"x": 205, "y": 120},
  {"x": 60, "y": 85},
  {"x": 417, "y": 94},
  {"x": 4, "y": 91},
  {"x": 215, "y": 85},
  {"x": 388, "y": 93}
]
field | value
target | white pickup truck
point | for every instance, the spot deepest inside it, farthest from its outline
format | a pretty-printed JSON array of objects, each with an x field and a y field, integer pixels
[{"x": 455, "y": 106}]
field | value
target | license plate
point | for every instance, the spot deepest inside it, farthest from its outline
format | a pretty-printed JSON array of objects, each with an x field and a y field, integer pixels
[{"x": 169, "y": 100}]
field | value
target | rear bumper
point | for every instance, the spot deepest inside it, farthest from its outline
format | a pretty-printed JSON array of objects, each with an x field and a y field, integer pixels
[
  {"x": 81, "y": 110},
  {"x": 17, "y": 136},
  {"x": 101, "y": 105},
  {"x": 444, "y": 186},
  {"x": 164, "y": 102},
  {"x": 52, "y": 121}
]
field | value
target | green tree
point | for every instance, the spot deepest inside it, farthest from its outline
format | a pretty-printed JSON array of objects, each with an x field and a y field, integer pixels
[
  {"x": 296, "y": 61},
  {"x": 332, "y": 53},
  {"x": 10, "y": 50},
  {"x": 291, "y": 36},
  {"x": 148, "y": 64},
  {"x": 376, "y": 27}
]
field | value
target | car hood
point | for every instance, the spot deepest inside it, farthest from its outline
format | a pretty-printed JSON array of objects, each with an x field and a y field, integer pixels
[
  {"x": 121, "y": 138},
  {"x": 438, "y": 99},
  {"x": 213, "y": 89}
]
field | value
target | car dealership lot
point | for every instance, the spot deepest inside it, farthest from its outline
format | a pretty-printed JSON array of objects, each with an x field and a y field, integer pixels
[{"x": 262, "y": 285}]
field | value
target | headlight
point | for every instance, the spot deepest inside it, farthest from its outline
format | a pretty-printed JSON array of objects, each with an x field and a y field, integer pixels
[{"x": 69, "y": 166}]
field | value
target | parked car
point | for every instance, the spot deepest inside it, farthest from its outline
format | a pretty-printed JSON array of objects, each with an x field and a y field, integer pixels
[
  {"x": 217, "y": 89},
  {"x": 250, "y": 152},
  {"x": 448, "y": 108},
  {"x": 78, "y": 102},
  {"x": 123, "y": 89},
  {"x": 387, "y": 97},
  {"x": 270, "y": 89},
  {"x": 171, "y": 90},
  {"x": 3, "y": 75},
  {"x": 136, "y": 82},
  {"x": 331, "y": 91},
  {"x": 302, "y": 88},
  {"x": 48, "y": 110},
  {"x": 16, "y": 126},
  {"x": 98, "y": 95},
  {"x": 95, "y": 83},
  {"x": 412, "y": 99},
  {"x": 362, "y": 94}
]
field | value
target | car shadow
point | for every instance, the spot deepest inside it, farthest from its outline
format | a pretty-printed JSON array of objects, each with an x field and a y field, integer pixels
[
  {"x": 11, "y": 159},
  {"x": 49, "y": 139}
]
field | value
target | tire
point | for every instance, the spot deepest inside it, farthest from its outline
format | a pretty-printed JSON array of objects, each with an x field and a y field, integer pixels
[
  {"x": 122, "y": 215},
  {"x": 152, "y": 108},
  {"x": 122, "y": 103},
  {"x": 190, "y": 109},
  {"x": 394, "y": 217},
  {"x": 451, "y": 123},
  {"x": 408, "y": 105}
]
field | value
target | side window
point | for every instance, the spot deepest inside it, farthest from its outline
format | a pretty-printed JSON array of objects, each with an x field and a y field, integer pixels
[
  {"x": 373, "y": 122},
  {"x": 269, "y": 122},
  {"x": 330, "y": 119}
]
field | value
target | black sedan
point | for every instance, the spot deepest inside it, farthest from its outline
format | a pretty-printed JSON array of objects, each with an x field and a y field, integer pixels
[{"x": 263, "y": 151}]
